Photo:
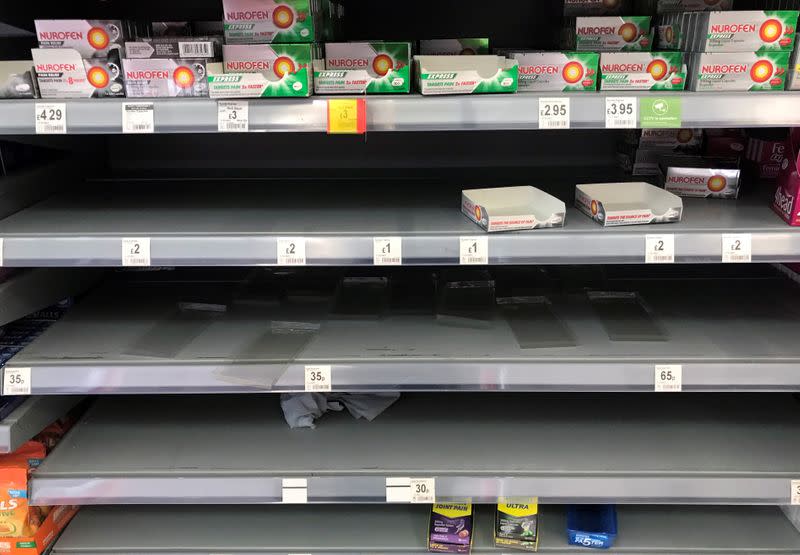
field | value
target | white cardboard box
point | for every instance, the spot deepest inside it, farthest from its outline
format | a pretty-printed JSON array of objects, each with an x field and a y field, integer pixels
[
  {"x": 512, "y": 208},
  {"x": 612, "y": 204}
]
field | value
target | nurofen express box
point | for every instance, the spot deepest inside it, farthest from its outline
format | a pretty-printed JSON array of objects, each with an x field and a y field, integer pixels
[
  {"x": 359, "y": 67},
  {"x": 738, "y": 71},
  {"x": 261, "y": 70},
  {"x": 742, "y": 31},
  {"x": 457, "y": 47},
  {"x": 450, "y": 528},
  {"x": 267, "y": 21},
  {"x": 556, "y": 71},
  {"x": 91, "y": 38},
  {"x": 613, "y": 34},
  {"x": 516, "y": 525},
  {"x": 512, "y": 208},
  {"x": 17, "y": 80},
  {"x": 656, "y": 71},
  {"x": 613, "y": 204},
  {"x": 161, "y": 78},
  {"x": 700, "y": 176},
  {"x": 62, "y": 73},
  {"x": 209, "y": 48},
  {"x": 466, "y": 74}
]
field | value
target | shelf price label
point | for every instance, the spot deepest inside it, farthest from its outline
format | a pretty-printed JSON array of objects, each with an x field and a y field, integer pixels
[
  {"x": 554, "y": 113},
  {"x": 347, "y": 116},
  {"x": 669, "y": 377},
  {"x": 136, "y": 252},
  {"x": 17, "y": 381},
  {"x": 795, "y": 497},
  {"x": 291, "y": 251},
  {"x": 473, "y": 250},
  {"x": 387, "y": 251},
  {"x": 233, "y": 116},
  {"x": 51, "y": 118},
  {"x": 411, "y": 490},
  {"x": 659, "y": 249},
  {"x": 737, "y": 248},
  {"x": 622, "y": 112},
  {"x": 294, "y": 490},
  {"x": 2, "y": 253},
  {"x": 318, "y": 378},
  {"x": 138, "y": 117}
]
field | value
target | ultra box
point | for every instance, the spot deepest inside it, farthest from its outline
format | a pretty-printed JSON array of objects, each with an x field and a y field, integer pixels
[
  {"x": 613, "y": 204},
  {"x": 516, "y": 525},
  {"x": 512, "y": 208}
]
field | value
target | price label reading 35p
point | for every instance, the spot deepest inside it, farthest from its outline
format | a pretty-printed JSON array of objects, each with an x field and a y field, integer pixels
[
  {"x": 17, "y": 381},
  {"x": 474, "y": 250},
  {"x": 795, "y": 492},
  {"x": 136, "y": 252},
  {"x": 318, "y": 378},
  {"x": 233, "y": 116},
  {"x": 659, "y": 249},
  {"x": 423, "y": 490},
  {"x": 387, "y": 251},
  {"x": 554, "y": 113},
  {"x": 737, "y": 248},
  {"x": 622, "y": 112},
  {"x": 669, "y": 377},
  {"x": 51, "y": 119},
  {"x": 291, "y": 251}
]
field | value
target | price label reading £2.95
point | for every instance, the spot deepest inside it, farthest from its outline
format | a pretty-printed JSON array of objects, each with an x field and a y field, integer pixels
[
  {"x": 622, "y": 112},
  {"x": 554, "y": 113}
]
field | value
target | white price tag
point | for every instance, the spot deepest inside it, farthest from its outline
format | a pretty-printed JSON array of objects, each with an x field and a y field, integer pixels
[
  {"x": 398, "y": 490},
  {"x": 318, "y": 378},
  {"x": 2, "y": 252},
  {"x": 387, "y": 251},
  {"x": 423, "y": 490},
  {"x": 474, "y": 250},
  {"x": 233, "y": 116},
  {"x": 659, "y": 249},
  {"x": 51, "y": 118},
  {"x": 669, "y": 377},
  {"x": 136, "y": 252},
  {"x": 17, "y": 381},
  {"x": 138, "y": 117},
  {"x": 622, "y": 112},
  {"x": 737, "y": 248},
  {"x": 795, "y": 498},
  {"x": 295, "y": 490},
  {"x": 291, "y": 251},
  {"x": 554, "y": 113}
]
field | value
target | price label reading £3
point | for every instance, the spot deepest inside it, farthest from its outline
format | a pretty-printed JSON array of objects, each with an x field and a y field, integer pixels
[
  {"x": 233, "y": 116},
  {"x": 622, "y": 112}
]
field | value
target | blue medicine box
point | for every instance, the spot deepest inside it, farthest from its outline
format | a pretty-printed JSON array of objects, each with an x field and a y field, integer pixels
[{"x": 592, "y": 526}]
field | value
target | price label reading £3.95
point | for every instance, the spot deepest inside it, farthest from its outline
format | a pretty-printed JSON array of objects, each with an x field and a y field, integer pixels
[{"x": 622, "y": 112}]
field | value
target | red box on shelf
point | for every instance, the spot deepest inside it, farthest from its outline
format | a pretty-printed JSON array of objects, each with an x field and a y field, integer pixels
[{"x": 785, "y": 201}]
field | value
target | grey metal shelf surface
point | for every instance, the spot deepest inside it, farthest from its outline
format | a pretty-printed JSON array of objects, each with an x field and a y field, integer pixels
[
  {"x": 375, "y": 530},
  {"x": 220, "y": 449},
  {"x": 30, "y": 418},
  {"x": 242, "y": 228},
  {"x": 410, "y": 112}
]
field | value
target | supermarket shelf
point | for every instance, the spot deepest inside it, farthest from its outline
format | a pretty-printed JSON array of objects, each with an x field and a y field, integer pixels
[
  {"x": 220, "y": 449},
  {"x": 375, "y": 530},
  {"x": 130, "y": 339},
  {"x": 30, "y": 418},
  {"x": 242, "y": 229},
  {"x": 410, "y": 113}
]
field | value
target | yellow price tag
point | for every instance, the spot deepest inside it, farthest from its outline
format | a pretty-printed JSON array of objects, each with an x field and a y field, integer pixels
[{"x": 347, "y": 116}]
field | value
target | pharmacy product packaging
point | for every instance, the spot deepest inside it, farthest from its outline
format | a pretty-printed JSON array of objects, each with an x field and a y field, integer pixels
[
  {"x": 466, "y": 74},
  {"x": 613, "y": 34},
  {"x": 793, "y": 71},
  {"x": 18, "y": 80},
  {"x": 593, "y": 526},
  {"x": 62, "y": 73},
  {"x": 39, "y": 541},
  {"x": 91, "y": 38},
  {"x": 262, "y": 70},
  {"x": 574, "y": 8},
  {"x": 516, "y": 525},
  {"x": 614, "y": 204},
  {"x": 512, "y": 208},
  {"x": 738, "y": 31},
  {"x": 786, "y": 200},
  {"x": 284, "y": 21},
  {"x": 450, "y": 528},
  {"x": 556, "y": 71},
  {"x": 684, "y": 140},
  {"x": 766, "y": 149},
  {"x": 209, "y": 48},
  {"x": 165, "y": 78},
  {"x": 700, "y": 176},
  {"x": 453, "y": 47},
  {"x": 363, "y": 67},
  {"x": 652, "y": 71},
  {"x": 738, "y": 71}
]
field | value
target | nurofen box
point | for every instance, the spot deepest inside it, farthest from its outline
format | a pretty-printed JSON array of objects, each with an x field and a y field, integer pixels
[
  {"x": 160, "y": 78},
  {"x": 556, "y": 71},
  {"x": 450, "y": 528},
  {"x": 209, "y": 48},
  {"x": 516, "y": 525},
  {"x": 613, "y": 204},
  {"x": 457, "y": 47},
  {"x": 700, "y": 176},
  {"x": 685, "y": 139},
  {"x": 745, "y": 31},
  {"x": 656, "y": 71},
  {"x": 613, "y": 34},
  {"x": 512, "y": 208},
  {"x": 261, "y": 70},
  {"x": 738, "y": 71},
  {"x": 62, "y": 73},
  {"x": 17, "y": 80},
  {"x": 267, "y": 21},
  {"x": 358, "y": 67},
  {"x": 91, "y": 38},
  {"x": 466, "y": 74}
]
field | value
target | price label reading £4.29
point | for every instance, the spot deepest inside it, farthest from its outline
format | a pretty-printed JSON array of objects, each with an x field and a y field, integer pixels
[
  {"x": 51, "y": 119},
  {"x": 622, "y": 112}
]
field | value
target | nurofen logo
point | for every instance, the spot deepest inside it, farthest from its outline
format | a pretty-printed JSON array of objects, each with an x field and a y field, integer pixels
[
  {"x": 60, "y": 35},
  {"x": 247, "y": 65},
  {"x": 770, "y": 31},
  {"x": 98, "y": 77},
  {"x": 250, "y": 15},
  {"x": 55, "y": 68},
  {"x": 592, "y": 31},
  {"x": 382, "y": 64},
  {"x": 347, "y": 63},
  {"x": 573, "y": 72},
  {"x": 725, "y": 68},
  {"x": 683, "y": 179},
  {"x": 183, "y": 77},
  {"x": 98, "y": 38},
  {"x": 761, "y": 71},
  {"x": 717, "y": 183},
  {"x": 148, "y": 75}
]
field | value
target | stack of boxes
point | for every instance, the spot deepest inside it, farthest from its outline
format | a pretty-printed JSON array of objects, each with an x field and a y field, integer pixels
[{"x": 640, "y": 151}]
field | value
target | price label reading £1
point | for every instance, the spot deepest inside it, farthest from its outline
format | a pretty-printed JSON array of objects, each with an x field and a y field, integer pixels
[
  {"x": 622, "y": 112},
  {"x": 554, "y": 113},
  {"x": 51, "y": 119},
  {"x": 474, "y": 250},
  {"x": 387, "y": 251}
]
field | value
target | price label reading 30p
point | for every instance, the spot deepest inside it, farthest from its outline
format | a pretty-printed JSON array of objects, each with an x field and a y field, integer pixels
[
  {"x": 51, "y": 119},
  {"x": 737, "y": 248},
  {"x": 659, "y": 249},
  {"x": 318, "y": 378},
  {"x": 669, "y": 377},
  {"x": 554, "y": 113},
  {"x": 292, "y": 251},
  {"x": 423, "y": 490},
  {"x": 233, "y": 116},
  {"x": 622, "y": 112}
]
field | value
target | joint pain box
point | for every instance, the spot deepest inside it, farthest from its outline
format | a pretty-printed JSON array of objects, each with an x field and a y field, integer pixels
[
  {"x": 574, "y": 8},
  {"x": 653, "y": 71},
  {"x": 450, "y": 528},
  {"x": 453, "y": 47},
  {"x": 614, "y": 204},
  {"x": 91, "y": 38},
  {"x": 613, "y": 34},
  {"x": 209, "y": 48},
  {"x": 62, "y": 73},
  {"x": 161, "y": 78},
  {"x": 516, "y": 525},
  {"x": 739, "y": 71},
  {"x": 512, "y": 208},
  {"x": 267, "y": 21},
  {"x": 556, "y": 71},
  {"x": 466, "y": 74},
  {"x": 741, "y": 31},
  {"x": 786, "y": 200},
  {"x": 699, "y": 176},
  {"x": 17, "y": 80},
  {"x": 261, "y": 70},
  {"x": 364, "y": 67}
]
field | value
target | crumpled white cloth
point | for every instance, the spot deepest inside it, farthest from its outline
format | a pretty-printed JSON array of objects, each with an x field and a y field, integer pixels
[{"x": 301, "y": 409}]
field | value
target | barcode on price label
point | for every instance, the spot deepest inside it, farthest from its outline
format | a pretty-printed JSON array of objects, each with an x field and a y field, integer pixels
[
  {"x": 387, "y": 251},
  {"x": 669, "y": 377},
  {"x": 291, "y": 251},
  {"x": 737, "y": 248},
  {"x": 554, "y": 113},
  {"x": 622, "y": 112},
  {"x": 659, "y": 249},
  {"x": 17, "y": 381},
  {"x": 233, "y": 116},
  {"x": 318, "y": 378},
  {"x": 138, "y": 117},
  {"x": 51, "y": 119},
  {"x": 474, "y": 250},
  {"x": 196, "y": 49}
]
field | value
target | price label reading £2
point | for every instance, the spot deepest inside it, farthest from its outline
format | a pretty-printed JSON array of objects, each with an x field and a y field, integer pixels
[
  {"x": 622, "y": 112},
  {"x": 554, "y": 113},
  {"x": 291, "y": 251},
  {"x": 659, "y": 249}
]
